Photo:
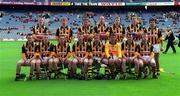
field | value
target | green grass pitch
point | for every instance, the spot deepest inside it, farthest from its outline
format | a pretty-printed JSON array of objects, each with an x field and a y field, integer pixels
[{"x": 167, "y": 85}]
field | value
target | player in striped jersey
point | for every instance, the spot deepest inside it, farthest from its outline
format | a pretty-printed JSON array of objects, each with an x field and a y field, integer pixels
[
  {"x": 128, "y": 50},
  {"x": 64, "y": 30},
  {"x": 37, "y": 59},
  {"x": 102, "y": 29},
  {"x": 86, "y": 30},
  {"x": 118, "y": 29},
  {"x": 155, "y": 39},
  {"x": 27, "y": 54},
  {"x": 147, "y": 56},
  {"x": 40, "y": 30},
  {"x": 98, "y": 50}
]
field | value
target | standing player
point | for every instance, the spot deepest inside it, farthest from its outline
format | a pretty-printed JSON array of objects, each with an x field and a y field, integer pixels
[
  {"x": 27, "y": 54},
  {"x": 118, "y": 29},
  {"x": 102, "y": 29},
  {"x": 135, "y": 29},
  {"x": 86, "y": 30},
  {"x": 40, "y": 30},
  {"x": 64, "y": 30},
  {"x": 155, "y": 39}
]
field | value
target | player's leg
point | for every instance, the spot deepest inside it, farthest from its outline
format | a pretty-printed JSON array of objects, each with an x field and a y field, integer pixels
[
  {"x": 38, "y": 68},
  {"x": 18, "y": 68},
  {"x": 32, "y": 68},
  {"x": 153, "y": 66}
]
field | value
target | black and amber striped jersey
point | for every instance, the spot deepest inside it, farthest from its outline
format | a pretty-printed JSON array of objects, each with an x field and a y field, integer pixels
[
  {"x": 45, "y": 49},
  {"x": 28, "y": 49},
  {"x": 135, "y": 31},
  {"x": 98, "y": 50},
  {"x": 65, "y": 32},
  {"x": 134, "y": 28},
  {"x": 53, "y": 50},
  {"x": 39, "y": 30},
  {"x": 63, "y": 49},
  {"x": 154, "y": 35},
  {"x": 145, "y": 49},
  {"x": 101, "y": 29},
  {"x": 37, "y": 49},
  {"x": 119, "y": 31},
  {"x": 87, "y": 32},
  {"x": 128, "y": 48},
  {"x": 80, "y": 49}
]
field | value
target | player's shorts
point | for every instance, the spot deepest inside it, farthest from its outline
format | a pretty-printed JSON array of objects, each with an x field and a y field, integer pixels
[
  {"x": 146, "y": 59},
  {"x": 156, "y": 48}
]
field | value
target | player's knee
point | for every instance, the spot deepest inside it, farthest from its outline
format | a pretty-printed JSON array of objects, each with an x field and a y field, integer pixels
[
  {"x": 85, "y": 60},
  {"x": 75, "y": 61}
]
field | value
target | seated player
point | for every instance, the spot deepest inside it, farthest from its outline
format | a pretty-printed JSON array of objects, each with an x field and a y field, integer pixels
[
  {"x": 80, "y": 53},
  {"x": 88, "y": 61},
  {"x": 63, "y": 50},
  {"x": 86, "y": 30},
  {"x": 128, "y": 50},
  {"x": 37, "y": 60},
  {"x": 113, "y": 55},
  {"x": 138, "y": 62},
  {"x": 40, "y": 30},
  {"x": 98, "y": 50},
  {"x": 147, "y": 56},
  {"x": 118, "y": 29},
  {"x": 64, "y": 30},
  {"x": 102, "y": 29},
  {"x": 27, "y": 54},
  {"x": 44, "y": 48},
  {"x": 53, "y": 61}
]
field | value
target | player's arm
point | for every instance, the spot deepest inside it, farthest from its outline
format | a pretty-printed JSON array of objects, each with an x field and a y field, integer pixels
[
  {"x": 122, "y": 50},
  {"x": 91, "y": 33},
  {"x": 24, "y": 53},
  {"x": 137, "y": 52},
  {"x": 119, "y": 51},
  {"x": 34, "y": 32},
  {"x": 69, "y": 51},
  {"x": 57, "y": 34},
  {"x": 123, "y": 32},
  {"x": 71, "y": 34},
  {"x": 107, "y": 31}
]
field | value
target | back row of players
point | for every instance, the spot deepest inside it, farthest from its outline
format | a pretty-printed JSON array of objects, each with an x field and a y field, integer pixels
[{"x": 117, "y": 48}]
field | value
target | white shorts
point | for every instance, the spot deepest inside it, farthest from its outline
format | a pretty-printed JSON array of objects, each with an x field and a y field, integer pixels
[
  {"x": 45, "y": 58},
  {"x": 115, "y": 57},
  {"x": 156, "y": 48},
  {"x": 146, "y": 58}
]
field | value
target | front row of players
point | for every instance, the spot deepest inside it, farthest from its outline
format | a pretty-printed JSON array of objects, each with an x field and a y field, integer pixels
[{"x": 118, "y": 60}]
